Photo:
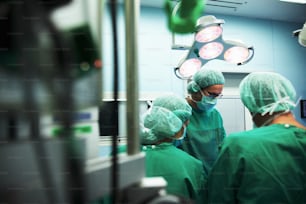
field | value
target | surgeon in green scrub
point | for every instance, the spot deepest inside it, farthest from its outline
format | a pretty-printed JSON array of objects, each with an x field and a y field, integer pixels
[
  {"x": 164, "y": 122},
  {"x": 205, "y": 131},
  {"x": 268, "y": 163}
]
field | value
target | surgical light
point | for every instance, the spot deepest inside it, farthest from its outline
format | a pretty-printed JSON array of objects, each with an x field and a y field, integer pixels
[
  {"x": 302, "y": 37},
  {"x": 301, "y": 34},
  {"x": 189, "y": 67},
  {"x": 209, "y": 45},
  {"x": 295, "y": 1},
  {"x": 208, "y": 34},
  {"x": 211, "y": 50}
]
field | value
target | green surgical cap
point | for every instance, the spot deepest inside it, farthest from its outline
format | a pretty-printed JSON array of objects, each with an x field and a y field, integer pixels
[
  {"x": 267, "y": 92},
  {"x": 203, "y": 78},
  {"x": 177, "y": 105},
  {"x": 164, "y": 118}
]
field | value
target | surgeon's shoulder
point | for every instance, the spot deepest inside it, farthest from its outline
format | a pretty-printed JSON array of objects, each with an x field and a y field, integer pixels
[
  {"x": 216, "y": 111},
  {"x": 215, "y": 114},
  {"x": 237, "y": 136},
  {"x": 245, "y": 138},
  {"x": 256, "y": 132}
]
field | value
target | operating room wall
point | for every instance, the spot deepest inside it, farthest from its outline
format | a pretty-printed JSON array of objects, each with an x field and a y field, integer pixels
[{"x": 275, "y": 50}]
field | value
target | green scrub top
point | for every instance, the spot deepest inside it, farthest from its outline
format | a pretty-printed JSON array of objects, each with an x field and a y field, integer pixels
[
  {"x": 184, "y": 174},
  {"x": 205, "y": 133},
  {"x": 263, "y": 165}
]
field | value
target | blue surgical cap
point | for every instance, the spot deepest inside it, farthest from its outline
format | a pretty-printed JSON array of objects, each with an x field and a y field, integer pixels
[
  {"x": 164, "y": 119},
  {"x": 203, "y": 78},
  {"x": 267, "y": 92}
]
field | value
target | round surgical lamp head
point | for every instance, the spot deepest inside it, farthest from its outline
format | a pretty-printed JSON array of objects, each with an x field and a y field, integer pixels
[
  {"x": 237, "y": 52},
  {"x": 211, "y": 50},
  {"x": 208, "y": 28},
  {"x": 188, "y": 68}
]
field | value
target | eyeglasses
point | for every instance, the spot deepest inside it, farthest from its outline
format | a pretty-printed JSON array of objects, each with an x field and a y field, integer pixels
[
  {"x": 211, "y": 94},
  {"x": 206, "y": 93},
  {"x": 214, "y": 95}
]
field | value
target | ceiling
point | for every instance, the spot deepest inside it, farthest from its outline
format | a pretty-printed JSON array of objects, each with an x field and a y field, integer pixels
[{"x": 263, "y": 9}]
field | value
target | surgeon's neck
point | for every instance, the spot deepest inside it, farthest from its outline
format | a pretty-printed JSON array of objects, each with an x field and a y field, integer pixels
[
  {"x": 165, "y": 140},
  {"x": 287, "y": 118}
]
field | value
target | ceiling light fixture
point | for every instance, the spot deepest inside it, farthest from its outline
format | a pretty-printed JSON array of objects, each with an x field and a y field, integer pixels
[
  {"x": 295, "y": 1},
  {"x": 301, "y": 34},
  {"x": 208, "y": 45}
]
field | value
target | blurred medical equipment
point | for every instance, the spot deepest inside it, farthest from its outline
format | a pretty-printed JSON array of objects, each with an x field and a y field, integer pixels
[
  {"x": 209, "y": 45},
  {"x": 303, "y": 108},
  {"x": 48, "y": 74},
  {"x": 182, "y": 15},
  {"x": 301, "y": 35},
  {"x": 50, "y": 60}
]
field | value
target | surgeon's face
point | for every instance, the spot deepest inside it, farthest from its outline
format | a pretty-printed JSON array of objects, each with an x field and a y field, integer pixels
[{"x": 214, "y": 91}]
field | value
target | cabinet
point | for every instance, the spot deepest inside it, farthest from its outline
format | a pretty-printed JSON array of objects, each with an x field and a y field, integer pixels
[{"x": 235, "y": 116}]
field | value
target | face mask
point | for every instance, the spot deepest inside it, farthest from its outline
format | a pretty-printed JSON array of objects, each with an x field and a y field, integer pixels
[
  {"x": 179, "y": 141},
  {"x": 207, "y": 103}
]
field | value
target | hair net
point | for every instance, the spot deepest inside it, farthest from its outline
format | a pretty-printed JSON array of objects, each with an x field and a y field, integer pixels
[
  {"x": 164, "y": 118},
  {"x": 177, "y": 105},
  {"x": 203, "y": 78},
  {"x": 267, "y": 92}
]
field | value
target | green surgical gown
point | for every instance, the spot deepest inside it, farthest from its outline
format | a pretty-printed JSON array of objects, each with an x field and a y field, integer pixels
[
  {"x": 205, "y": 133},
  {"x": 265, "y": 165},
  {"x": 184, "y": 174}
]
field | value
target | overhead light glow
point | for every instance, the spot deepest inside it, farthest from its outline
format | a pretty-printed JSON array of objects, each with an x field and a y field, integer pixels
[
  {"x": 236, "y": 54},
  {"x": 189, "y": 67},
  {"x": 208, "y": 34},
  {"x": 211, "y": 50},
  {"x": 295, "y": 1}
]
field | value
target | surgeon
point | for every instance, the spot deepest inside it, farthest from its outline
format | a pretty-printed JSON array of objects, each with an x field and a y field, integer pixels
[
  {"x": 266, "y": 164},
  {"x": 205, "y": 131},
  {"x": 164, "y": 122}
]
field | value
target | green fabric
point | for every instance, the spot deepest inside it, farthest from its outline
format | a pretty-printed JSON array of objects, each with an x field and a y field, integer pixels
[
  {"x": 159, "y": 123},
  {"x": 183, "y": 173},
  {"x": 264, "y": 165},
  {"x": 184, "y": 21},
  {"x": 205, "y": 133},
  {"x": 164, "y": 119}
]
